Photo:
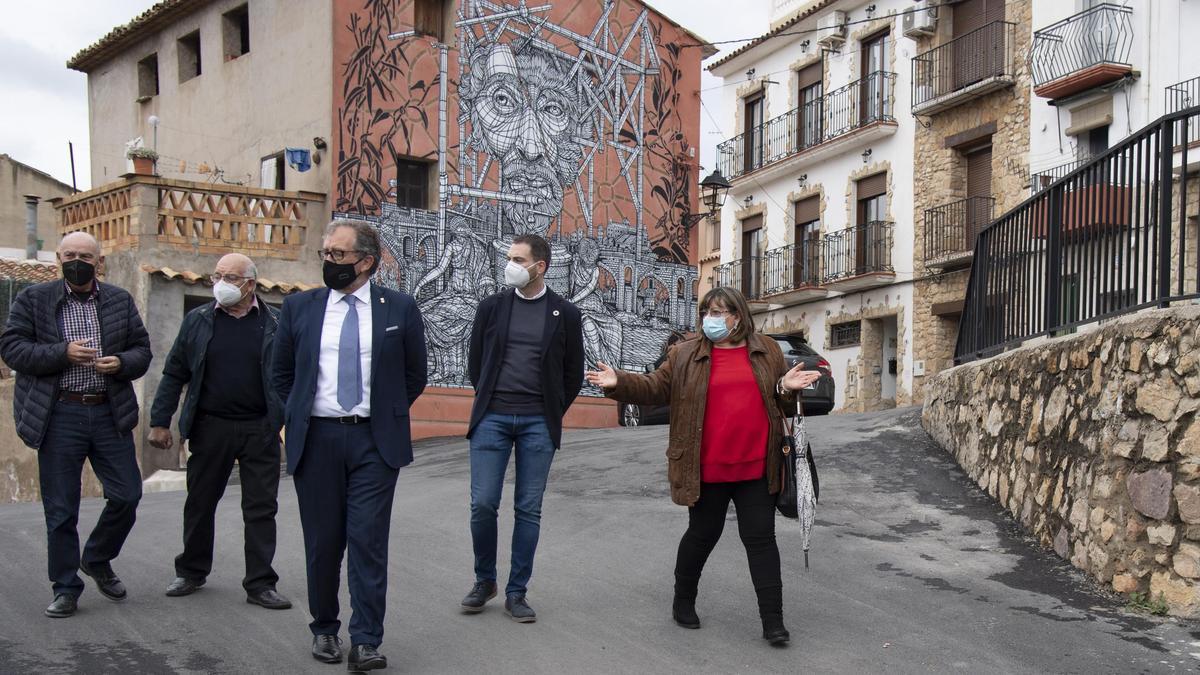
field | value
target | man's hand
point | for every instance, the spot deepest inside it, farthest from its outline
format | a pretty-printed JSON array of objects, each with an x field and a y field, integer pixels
[
  {"x": 160, "y": 437},
  {"x": 80, "y": 354},
  {"x": 108, "y": 365}
]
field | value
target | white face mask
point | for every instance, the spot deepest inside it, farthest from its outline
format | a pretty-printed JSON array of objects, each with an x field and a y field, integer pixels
[
  {"x": 515, "y": 275},
  {"x": 226, "y": 293}
]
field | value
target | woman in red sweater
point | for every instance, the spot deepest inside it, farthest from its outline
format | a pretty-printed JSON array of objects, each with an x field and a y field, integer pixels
[{"x": 737, "y": 382}]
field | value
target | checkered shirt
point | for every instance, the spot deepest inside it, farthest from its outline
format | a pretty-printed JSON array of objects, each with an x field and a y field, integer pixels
[{"x": 78, "y": 321}]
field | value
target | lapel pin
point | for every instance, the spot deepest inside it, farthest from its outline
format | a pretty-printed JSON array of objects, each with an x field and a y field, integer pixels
[
  {"x": 382, "y": 300},
  {"x": 555, "y": 312}
]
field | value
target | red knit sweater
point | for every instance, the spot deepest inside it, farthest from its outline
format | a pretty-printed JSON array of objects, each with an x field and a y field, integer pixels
[{"x": 734, "y": 444}]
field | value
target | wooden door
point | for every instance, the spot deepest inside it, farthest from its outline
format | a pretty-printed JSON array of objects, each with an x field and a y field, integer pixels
[
  {"x": 979, "y": 192},
  {"x": 753, "y": 247},
  {"x": 978, "y": 41}
]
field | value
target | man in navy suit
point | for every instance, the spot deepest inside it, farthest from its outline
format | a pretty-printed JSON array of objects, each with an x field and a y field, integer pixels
[
  {"x": 526, "y": 364},
  {"x": 349, "y": 362}
]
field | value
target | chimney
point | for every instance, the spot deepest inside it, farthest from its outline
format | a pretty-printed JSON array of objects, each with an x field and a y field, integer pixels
[{"x": 31, "y": 227}]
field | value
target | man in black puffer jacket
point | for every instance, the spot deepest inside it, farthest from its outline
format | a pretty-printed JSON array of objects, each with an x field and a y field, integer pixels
[{"x": 77, "y": 345}]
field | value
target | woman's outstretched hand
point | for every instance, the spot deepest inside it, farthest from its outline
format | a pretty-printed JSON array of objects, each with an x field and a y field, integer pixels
[
  {"x": 798, "y": 378},
  {"x": 605, "y": 377}
]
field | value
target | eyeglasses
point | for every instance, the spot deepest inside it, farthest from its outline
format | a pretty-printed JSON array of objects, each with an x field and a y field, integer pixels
[
  {"x": 234, "y": 279},
  {"x": 716, "y": 313},
  {"x": 333, "y": 254}
]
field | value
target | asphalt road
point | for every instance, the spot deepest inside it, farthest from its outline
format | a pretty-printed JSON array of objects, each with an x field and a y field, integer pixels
[{"x": 914, "y": 570}]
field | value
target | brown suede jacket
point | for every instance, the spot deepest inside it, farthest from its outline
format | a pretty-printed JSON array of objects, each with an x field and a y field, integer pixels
[{"x": 682, "y": 380}]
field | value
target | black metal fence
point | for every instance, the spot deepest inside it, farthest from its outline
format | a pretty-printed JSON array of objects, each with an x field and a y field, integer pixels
[
  {"x": 1182, "y": 96},
  {"x": 858, "y": 250},
  {"x": 984, "y": 53},
  {"x": 952, "y": 228},
  {"x": 1111, "y": 237},
  {"x": 839, "y": 112},
  {"x": 791, "y": 267},
  {"x": 1099, "y": 35}
]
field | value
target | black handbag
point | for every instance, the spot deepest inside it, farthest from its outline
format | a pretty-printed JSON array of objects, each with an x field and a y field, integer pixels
[{"x": 785, "y": 501}]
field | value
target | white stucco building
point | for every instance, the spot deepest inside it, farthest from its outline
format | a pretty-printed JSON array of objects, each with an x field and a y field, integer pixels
[{"x": 818, "y": 226}]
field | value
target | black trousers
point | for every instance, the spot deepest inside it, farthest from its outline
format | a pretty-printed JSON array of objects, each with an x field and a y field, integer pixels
[
  {"x": 756, "y": 525},
  {"x": 215, "y": 444}
]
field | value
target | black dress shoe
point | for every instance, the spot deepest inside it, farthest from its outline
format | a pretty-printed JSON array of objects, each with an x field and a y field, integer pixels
[
  {"x": 774, "y": 632},
  {"x": 684, "y": 612},
  {"x": 327, "y": 648},
  {"x": 478, "y": 597},
  {"x": 365, "y": 657},
  {"x": 183, "y": 586},
  {"x": 516, "y": 607},
  {"x": 269, "y": 598},
  {"x": 106, "y": 582},
  {"x": 64, "y": 605}
]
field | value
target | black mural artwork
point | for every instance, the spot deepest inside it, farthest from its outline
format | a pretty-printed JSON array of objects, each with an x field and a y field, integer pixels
[
  {"x": 573, "y": 133},
  {"x": 376, "y": 123}
]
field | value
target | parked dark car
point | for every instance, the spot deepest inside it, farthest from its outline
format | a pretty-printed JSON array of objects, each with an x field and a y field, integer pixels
[{"x": 817, "y": 400}]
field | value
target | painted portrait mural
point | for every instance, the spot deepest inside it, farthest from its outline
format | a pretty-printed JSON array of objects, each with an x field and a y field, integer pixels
[{"x": 462, "y": 126}]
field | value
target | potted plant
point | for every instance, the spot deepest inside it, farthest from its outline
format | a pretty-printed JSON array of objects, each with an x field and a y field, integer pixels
[{"x": 143, "y": 160}]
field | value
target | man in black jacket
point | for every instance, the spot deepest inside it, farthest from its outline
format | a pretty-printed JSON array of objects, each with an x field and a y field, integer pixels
[
  {"x": 526, "y": 364},
  {"x": 222, "y": 355},
  {"x": 77, "y": 345}
]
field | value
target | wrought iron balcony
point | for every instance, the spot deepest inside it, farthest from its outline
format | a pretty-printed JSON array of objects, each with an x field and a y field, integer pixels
[
  {"x": 1183, "y": 95},
  {"x": 854, "y": 106},
  {"x": 1042, "y": 179},
  {"x": 859, "y": 257},
  {"x": 964, "y": 68},
  {"x": 745, "y": 274},
  {"x": 1081, "y": 52},
  {"x": 951, "y": 229},
  {"x": 793, "y": 273}
]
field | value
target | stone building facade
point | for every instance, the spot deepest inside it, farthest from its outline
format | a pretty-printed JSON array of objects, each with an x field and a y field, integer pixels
[
  {"x": 18, "y": 180},
  {"x": 962, "y": 126}
]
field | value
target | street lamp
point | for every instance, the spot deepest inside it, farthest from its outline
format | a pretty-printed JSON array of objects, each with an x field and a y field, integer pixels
[{"x": 713, "y": 190}]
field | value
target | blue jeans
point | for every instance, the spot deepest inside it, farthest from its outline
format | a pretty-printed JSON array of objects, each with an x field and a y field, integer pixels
[
  {"x": 77, "y": 432},
  {"x": 491, "y": 443}
]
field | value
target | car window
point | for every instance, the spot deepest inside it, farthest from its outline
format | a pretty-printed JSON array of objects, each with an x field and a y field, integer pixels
[{"x": 794, "y": 346}]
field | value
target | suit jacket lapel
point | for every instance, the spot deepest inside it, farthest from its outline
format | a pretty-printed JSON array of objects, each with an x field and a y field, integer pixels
[
  {"x": 503, "y": 317},
  {"x": 316, "y": 321},
  {"x": 379, "y": 317},
  {"x": 553, "y": 316}
]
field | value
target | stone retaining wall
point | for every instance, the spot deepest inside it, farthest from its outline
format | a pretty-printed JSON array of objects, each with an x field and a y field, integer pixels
[{"x": 1092, "y": 442}]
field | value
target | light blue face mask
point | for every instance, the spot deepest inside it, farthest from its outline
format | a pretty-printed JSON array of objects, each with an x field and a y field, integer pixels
[{"x": 715, "y": 328}]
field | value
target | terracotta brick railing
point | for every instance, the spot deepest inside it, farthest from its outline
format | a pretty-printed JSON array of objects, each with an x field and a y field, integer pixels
[{"x": 201, "y": 218}]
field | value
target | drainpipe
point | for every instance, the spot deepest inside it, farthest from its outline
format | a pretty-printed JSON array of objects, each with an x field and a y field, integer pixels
[{"x": 31, "y": 226}]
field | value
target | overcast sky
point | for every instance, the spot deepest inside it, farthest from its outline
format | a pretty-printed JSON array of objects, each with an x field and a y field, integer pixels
[{"x": 45, "y": 104}]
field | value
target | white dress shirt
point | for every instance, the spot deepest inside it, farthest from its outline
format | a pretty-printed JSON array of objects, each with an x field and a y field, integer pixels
[{"x": 326, "y": 402}]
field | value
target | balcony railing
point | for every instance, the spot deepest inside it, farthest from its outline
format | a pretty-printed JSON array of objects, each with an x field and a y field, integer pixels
[
  {"x": 1182, "y": 96},
  {"x": 1083, "y": 51},
  {"x": 1111, "y": 237},
  {"x": 1042, "y": 179},
  {"x": 792, "y": 267},
  {"x": 968, "y": 66},
  {"x": 835, "y": 114},
  {"x": 857, "y": 251},
  {"x": 950, "y": 230},
  {"x": 745, "y": 274},
  {"x": 199, "y": 218}
]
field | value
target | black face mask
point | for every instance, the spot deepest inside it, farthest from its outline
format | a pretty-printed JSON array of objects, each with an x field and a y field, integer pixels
[
  {"x": 338, "y": 275},
  {"x": 78, "y": 272}
]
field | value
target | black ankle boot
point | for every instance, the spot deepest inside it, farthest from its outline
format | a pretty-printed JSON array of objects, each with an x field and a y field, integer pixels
[
  {"x": 684, "y": 612},
  {"x": 774, "y": 631}
]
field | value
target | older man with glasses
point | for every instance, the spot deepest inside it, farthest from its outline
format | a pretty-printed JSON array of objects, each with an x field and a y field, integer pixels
[{"x": 231, "y": 412}]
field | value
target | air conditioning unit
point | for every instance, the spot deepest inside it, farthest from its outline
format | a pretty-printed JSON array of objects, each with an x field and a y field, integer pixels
[
  {"x": 831, "y": 29},
  {"x": 920, "y": 20}
]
